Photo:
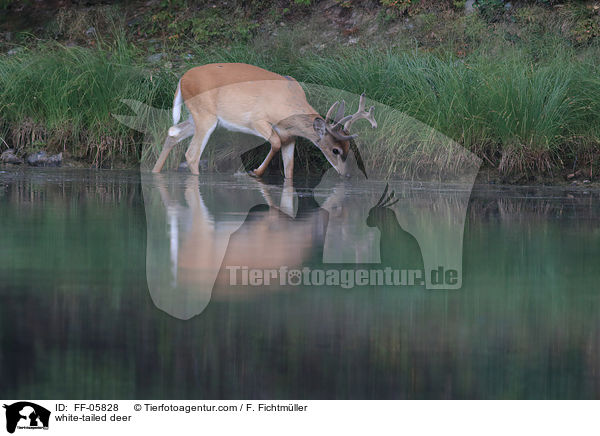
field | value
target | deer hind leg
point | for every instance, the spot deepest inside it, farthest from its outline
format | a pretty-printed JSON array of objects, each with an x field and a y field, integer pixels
[
  {"x": 204, "y": 128},
  {"x": 265, "y": 130},
  {"x": 176, "y": 134},
  {"x": 287, "y": 154}
]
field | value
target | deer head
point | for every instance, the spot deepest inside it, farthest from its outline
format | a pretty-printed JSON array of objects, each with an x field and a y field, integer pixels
[{"x": 333, "y": 133}]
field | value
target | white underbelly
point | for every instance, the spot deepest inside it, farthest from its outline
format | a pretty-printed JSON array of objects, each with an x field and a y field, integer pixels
[{"x": 237, "y": 128}]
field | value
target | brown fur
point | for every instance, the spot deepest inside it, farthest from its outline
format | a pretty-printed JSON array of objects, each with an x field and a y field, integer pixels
[{"x": 254, "y": 100}]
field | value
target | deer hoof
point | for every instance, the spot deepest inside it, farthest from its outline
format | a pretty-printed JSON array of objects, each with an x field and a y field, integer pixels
[{"x": 253, "y": 174}]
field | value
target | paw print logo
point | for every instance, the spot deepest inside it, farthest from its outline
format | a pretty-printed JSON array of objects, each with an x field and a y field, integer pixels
[{"x": 294, "y": 277}]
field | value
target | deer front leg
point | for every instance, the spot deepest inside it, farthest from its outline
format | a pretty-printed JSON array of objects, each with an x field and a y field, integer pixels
[
  {"x": 176, "y": 134},
  {"x": 287, "y": 153},
  {"x": 266, "y": 131}
]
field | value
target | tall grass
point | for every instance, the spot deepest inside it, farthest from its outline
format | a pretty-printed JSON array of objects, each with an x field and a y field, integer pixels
[
  {"x": 520, "y": 113},
  {"x": 62, "y": 99},
  {"x": 523, "y": 116}
]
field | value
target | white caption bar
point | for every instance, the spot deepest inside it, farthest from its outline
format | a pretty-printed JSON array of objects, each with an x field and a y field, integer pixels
[{"x": 299, "y": 417}]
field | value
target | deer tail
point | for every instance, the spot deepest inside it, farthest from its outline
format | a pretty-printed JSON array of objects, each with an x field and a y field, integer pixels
[{"x": 177, "y": 102}]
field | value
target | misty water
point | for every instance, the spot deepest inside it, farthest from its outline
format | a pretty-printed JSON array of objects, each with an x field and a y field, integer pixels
[{"x": 116, "y": 284}]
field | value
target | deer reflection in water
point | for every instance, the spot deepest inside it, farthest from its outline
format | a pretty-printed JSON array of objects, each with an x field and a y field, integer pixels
[
  {"x": 203, "y": 238},
  {"x": 271, "y": 237},
  {"x": 195, "y": 239},
  {"x": 201, "y": 231}
]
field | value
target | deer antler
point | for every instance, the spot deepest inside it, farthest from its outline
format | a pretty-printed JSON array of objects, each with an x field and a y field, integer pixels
[
  {"x": 338, "y": 115},
  {"x": 335, "y": 128},
  {"x": 330, "y": 111},
  {"x": 361, "y": 113},
  {"x": 340, "y": 124}
]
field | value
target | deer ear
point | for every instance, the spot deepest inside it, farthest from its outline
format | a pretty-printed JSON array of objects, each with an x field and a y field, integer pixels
[{"x": 320, "y": 126}]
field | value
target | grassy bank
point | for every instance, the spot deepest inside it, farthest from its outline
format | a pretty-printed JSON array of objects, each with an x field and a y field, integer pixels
[
  {"x": 529, "y": 108},
  {"x": 61, "y": 99}
]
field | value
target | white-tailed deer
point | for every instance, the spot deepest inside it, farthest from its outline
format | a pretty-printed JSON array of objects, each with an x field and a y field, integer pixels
[{"x": 248, "y": 99}]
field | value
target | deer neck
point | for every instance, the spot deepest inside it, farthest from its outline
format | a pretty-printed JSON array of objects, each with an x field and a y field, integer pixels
[{"x": 298, "y": 125}]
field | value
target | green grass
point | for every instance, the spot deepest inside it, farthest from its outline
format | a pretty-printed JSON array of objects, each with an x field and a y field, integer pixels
[
  {"x": 64, "y": 98},
  {"x": 520, "y": 115},
  {"x": 519, "y": 112}
]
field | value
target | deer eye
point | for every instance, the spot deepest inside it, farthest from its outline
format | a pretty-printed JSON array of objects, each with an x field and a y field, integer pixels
[{"x": 336, "y": 151}]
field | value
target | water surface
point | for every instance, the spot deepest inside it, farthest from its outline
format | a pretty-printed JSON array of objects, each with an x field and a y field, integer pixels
[{"x": 82, "y": 254}]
